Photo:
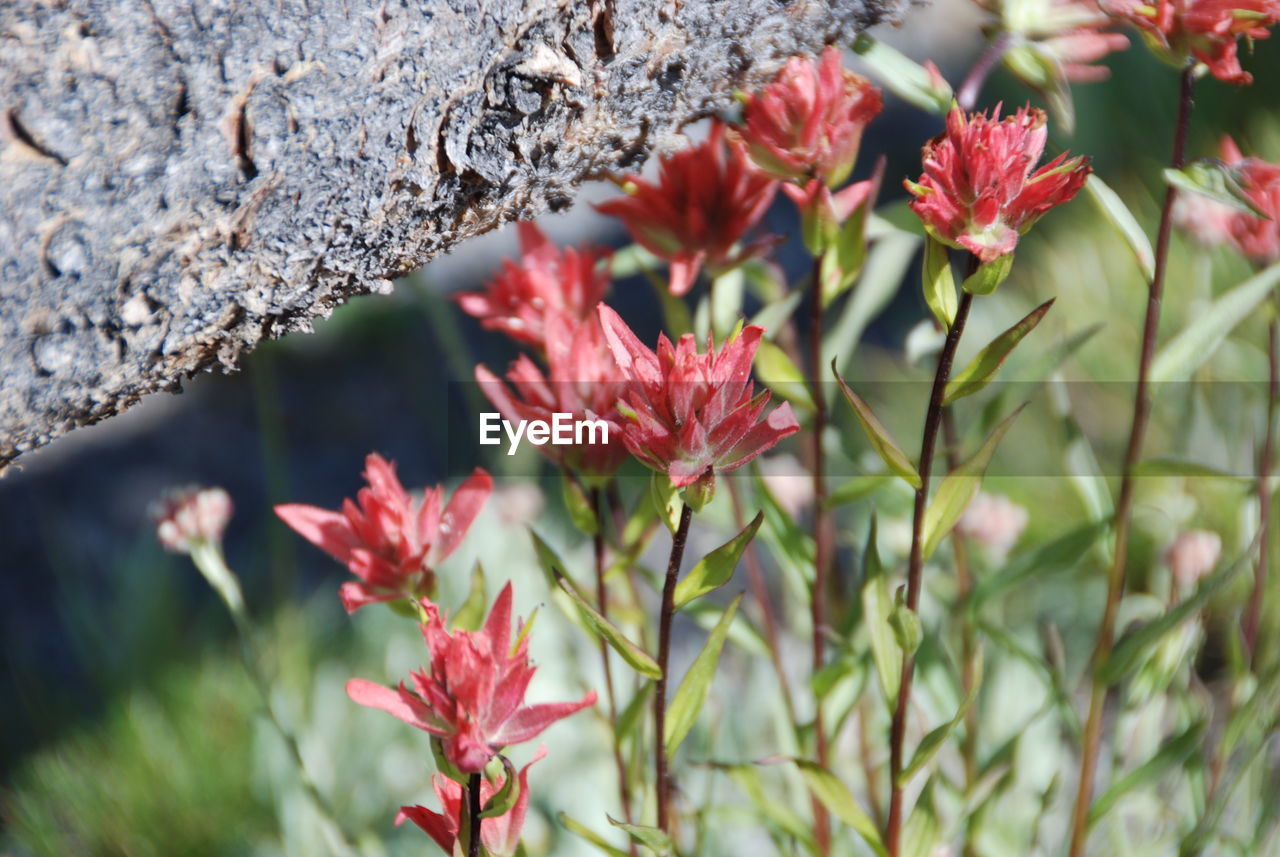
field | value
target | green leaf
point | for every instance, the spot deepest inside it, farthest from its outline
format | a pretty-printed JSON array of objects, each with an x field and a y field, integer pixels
[
  {"x": 1132, "y": 649},
  {"x": 632, "y": 260},
  {"x": 882, "y": 276},
  {"x": 1189, "y": 350},
  {"x": 939, "y": 283},
  {"x": 1061, "y": 553},
  {"x": 775, "y": 369},
  {"x": 856, "y": 489},
  {"x": 890, "y": 453},
  {"x": 1216, "y": 180},
  {"x": 937, "y": 738},
  {"x": 666, "y": 500},
  {"x": 715, "y": 569},
  {"x": 920, "y": 833},
  {"x": 770, "y": 808},
  {"x": 635, "y": 657},
  {"x": 470, "y": 615},
  {"x": 1119, "y": 216},
  {"x": 578, "y": 502},
  {"x": 773, "y": 316},
  {"x": 877, "y": 608},
  {"x": 989, "y": 276},
  {"x": 955, "y": 492},
  {"x": 1170, "y": 756},
  {"x": 904, "y": 77},
  {"x": 692, "y": 693},
  {"x": 633, "y": 715},
  {"x": 984, "y": 366},
  {"x": 650, "y": 837},
  {"x": 590, "y": 835},
  {"x": 907, "y": 629},
  {"x": 501, "y": 802},
  {"x": 833, "y": 794}
]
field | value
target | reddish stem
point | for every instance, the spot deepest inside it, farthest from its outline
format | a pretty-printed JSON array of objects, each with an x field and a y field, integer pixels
[
  {"x": 663, "y": 782},
  {"x": 1124, "y": 505},
  {"x": 915, "y": 565}
]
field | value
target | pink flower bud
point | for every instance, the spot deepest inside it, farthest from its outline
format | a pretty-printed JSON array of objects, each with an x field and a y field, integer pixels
[
  {"x": 189, "y": 516},
  {"x": 994, "y": 521},
  {"x": 1193, "y": 555}
]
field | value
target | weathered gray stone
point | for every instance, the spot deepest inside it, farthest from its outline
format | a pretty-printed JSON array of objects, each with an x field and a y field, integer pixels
[{"x": 179, "y": 180}]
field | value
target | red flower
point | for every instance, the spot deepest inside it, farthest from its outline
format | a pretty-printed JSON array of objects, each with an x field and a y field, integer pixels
[
  {"x": 1206, "y": 30},
  {"x": 582, "y": 380},
  {"x": 473, "y": 696},
  {"x": 808, "y": 123},
  {"x": 385, "y": 541},
  {"x": 689, "y": 413},
  {"x": 706, "y": 199},
  {"x": 189, "y": 517},
  {"x": 1213, "y": 223},
  {"x": 500, "y": 836},
  {"x": 547, "y": 281},
  {"x": 978, "y": 191}
]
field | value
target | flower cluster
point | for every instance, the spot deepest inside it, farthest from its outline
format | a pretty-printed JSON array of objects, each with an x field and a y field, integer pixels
[
  {"x": 581, "y": 379},
  {"x": 808, "y": 123},
  {"x": 706, "y": 199},
  {"x": 386, "y": 540},
  {"x": 1212, "y": 223},
  {"x": 689, "y": 414},
  {"x": 1207, "y": 31},
  {"x": 546, "y": 283},
  {"x": 979, "y": 191},
  {"x": 500, "y": 836},
  {"x": 472, "y": 697},
  {"x": 188, "y": 517}
]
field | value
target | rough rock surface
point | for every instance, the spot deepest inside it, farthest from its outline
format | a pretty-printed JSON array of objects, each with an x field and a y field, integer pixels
[{"x": 181, "y": 178}]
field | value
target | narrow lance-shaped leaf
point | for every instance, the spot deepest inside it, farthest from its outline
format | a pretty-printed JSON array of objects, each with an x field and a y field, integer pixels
[
  {"x": 835, "y": 796},
  {"x": 881, "y": 441},
  {"x": 1215, "y": 179},
  {"x": 777, "y": 371},
  {"x": 580, "y": 829},
  {"x": 984, "y": 366},
  {"x": 631, "y": 716},
  {"x": 938, "y": 737},
  {"x": 1170, "y": 756},
  {"x": 955, "y": 492},
  {"x": 1061, "y": 553},
  {"x": 1189, "y": 350},
  {"x": 904, "y": 77},
  {"x": 1132, "y": 649},
  {"x": 578, "y": 503},
  {"x": 666, "y": 499},
  {"x": 1118, "y": 214},
  {"x": 692, "y": 693},
  {"x": 472, "y": 612},
  {"x": 650, "y": 837},
  {"x": 635, "y": 657},
  {"x": 989, "y": 276},
  {"x": 877, "y": 610},
  {"x": 939, "y": 283},
  {"x": 715, "y": 569}
]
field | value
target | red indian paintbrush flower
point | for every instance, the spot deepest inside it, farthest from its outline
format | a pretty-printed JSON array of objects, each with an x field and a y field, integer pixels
[
  {"x": 500, "y": 836},
  {"x": 688, "y": 413},
  {"x": 978, "y": 191},
  {"x": 1212, "y": 223},
  {"x": 387, "y": 542},
  {"x": 1206, "y": 30},
  {"x": 472, "y": 698},
  {"x": 808, "y": 123},
  {"x": 706, "y": 199},
  {"x": 546, "y": 281},
  {"x": 581, "y": 380}
]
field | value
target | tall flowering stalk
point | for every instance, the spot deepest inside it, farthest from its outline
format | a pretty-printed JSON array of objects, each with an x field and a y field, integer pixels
[
  {"x": 980, "y": 191},
  {"x": 806, "y": 128},
  {"x": 191, "y": 521},
  {"x": 1257, "y": 238},
  {"x": 687, "y": 416}
]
